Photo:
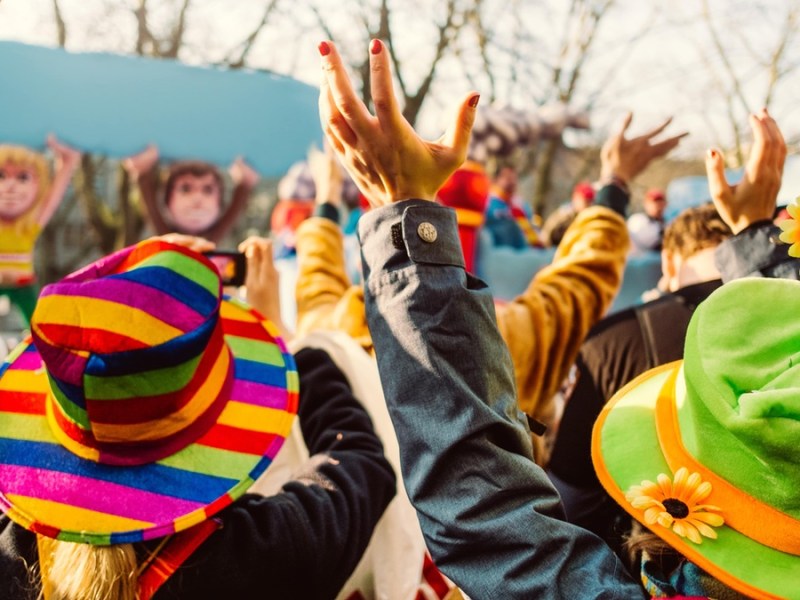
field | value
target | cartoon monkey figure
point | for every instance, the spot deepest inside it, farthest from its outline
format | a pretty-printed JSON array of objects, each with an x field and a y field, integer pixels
[
  {"x": 193, "y": 195},
  {"x": 28, "y": 199}
]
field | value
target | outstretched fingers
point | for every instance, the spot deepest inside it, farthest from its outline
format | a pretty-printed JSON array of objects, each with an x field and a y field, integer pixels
[
  {"x": 666, "y": 146},
  {"x": 655, "y": 131},
  {"x": 763, "y": 149},
  {"x": 344, "y": 97},
  {"x": 457, "y": 136},
  {"x": 715, "y": 170},
  {"x": 626, "y": 122},
  {"x": 333, "y": 123},
  {"x": 382, "y": 88}
]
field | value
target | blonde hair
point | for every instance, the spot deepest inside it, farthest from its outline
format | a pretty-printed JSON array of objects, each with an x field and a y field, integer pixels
[
  {"x": 19, "y": 156},
  {"x": 71, "y": 571}
]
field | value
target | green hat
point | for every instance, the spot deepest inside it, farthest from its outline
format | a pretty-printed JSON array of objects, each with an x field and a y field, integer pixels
[{"x": 706, "y": 452}]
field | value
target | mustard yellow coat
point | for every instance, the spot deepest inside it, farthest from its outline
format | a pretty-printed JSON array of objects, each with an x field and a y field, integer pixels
[{"x": 543, "y": 327}]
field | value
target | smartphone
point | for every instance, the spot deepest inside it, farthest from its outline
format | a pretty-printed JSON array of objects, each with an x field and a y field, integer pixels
[{"x": 231, "y": 265}]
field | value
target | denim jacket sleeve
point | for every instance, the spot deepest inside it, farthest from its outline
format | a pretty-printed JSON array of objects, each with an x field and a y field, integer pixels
[{"x": 491, "y": 519}]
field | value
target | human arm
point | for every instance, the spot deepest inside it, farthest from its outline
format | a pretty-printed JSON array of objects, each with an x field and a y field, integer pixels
[
  {"x": 305, "y": 541},
  {"x": 326, "y": 299},
  {"x": 262, "y": 282},
  {"x": 748, "y": 207},
  {"x": 545, "y": 325},
  {"x": 244, "y": 180},
  {"x": 66, "y": 161},
  {"x": 490, "y": 518},
  {"x": 142, "y": 168}
]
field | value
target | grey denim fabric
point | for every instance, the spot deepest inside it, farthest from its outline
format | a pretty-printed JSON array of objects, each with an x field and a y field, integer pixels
[
  {"x": 756, "y": 252},
  {"x": 492, "y": 520}
]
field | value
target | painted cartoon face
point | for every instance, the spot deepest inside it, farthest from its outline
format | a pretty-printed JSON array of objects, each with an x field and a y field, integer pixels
[
  {"x": 195, "y": 202},
  {"x": 19, "y": 187}
]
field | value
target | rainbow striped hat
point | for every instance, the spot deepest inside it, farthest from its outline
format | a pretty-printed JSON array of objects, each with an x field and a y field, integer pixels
[{"x": 142, "y": 404}]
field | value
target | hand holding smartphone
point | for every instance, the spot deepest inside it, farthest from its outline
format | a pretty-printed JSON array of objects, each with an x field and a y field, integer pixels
[{"x": 232, "y": 266}]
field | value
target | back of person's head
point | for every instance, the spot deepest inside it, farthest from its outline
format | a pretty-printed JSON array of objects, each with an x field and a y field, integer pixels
[
  {"x": 136, "y": 410},
  {"x": 655, "y": 203},
  {"x": 467, "y": 188},
  {"x": 693, "y": 230},
  {"x": 703, "y": 452}
]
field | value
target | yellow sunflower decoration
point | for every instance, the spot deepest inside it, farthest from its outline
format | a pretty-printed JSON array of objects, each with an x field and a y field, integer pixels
[
  {"x": 791, "y": 228},
  {"x": 678, "y": 504}
]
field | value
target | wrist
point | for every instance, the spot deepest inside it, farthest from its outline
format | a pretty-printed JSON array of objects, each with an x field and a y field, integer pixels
[{"x": 613, "y": 178}]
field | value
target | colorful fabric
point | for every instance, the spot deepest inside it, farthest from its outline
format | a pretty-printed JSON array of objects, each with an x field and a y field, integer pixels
[
  {"x": 16, "y": 250},
  {"x": 704, "y": 452},
  {"x": 467, "y": 191},
  {"x": 135, "y": 361}
]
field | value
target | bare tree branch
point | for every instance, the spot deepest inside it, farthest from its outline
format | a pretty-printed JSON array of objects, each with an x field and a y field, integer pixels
[
  {"x": 249, "y": 42},
  {"x": 723, "y": 56},
  {"x": 144, "y": 37},
  {"x": 61, "y": 26},
  {"x": 175, "y": 40},
  {"x": 775, "y": 73}
]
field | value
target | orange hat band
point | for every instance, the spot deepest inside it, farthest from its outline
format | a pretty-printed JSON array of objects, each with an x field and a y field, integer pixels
[{"x": 747, "y": 515}]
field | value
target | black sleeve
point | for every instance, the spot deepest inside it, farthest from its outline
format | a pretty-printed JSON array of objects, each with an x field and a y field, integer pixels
[
  {"x": 305, "y": 541},
  {"x": 613, "y": 197}
]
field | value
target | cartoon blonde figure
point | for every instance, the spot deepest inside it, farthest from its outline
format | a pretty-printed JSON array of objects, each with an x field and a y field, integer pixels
[{"x": 28, "y": 199}]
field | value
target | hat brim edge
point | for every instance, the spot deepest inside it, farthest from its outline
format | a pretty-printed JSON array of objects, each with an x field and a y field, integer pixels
[{"x": 693, "y": 552}]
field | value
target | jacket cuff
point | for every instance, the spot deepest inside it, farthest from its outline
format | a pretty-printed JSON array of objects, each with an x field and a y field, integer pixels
[
  {"x": 412, "y": 231},
  {"x": 614, "y": 197},
  {"x": 327, "y": 211}
]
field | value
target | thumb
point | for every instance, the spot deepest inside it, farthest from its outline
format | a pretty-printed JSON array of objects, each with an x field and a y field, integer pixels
[
  {"x": 458, "y": 134},
  {"x": 715, "y": 171}
]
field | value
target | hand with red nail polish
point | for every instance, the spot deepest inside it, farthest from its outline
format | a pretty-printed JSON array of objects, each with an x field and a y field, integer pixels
[
  {"x": 753, "y": 199},
  {"x": 382, "y": 152}
]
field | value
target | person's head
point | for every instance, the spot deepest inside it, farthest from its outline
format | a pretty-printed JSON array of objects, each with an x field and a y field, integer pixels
[
  {"x": 703, "y": 452},
  {"x": 687, "y": 252},
  {"x": 193, "y": 195},
  {"x": 655, "y": 203},
  {"x": 582, "y": 196},
  {"x": 24, "y": 181},
  {"x": 505, "y": 182},
  {"x": 137, "y": 410}
]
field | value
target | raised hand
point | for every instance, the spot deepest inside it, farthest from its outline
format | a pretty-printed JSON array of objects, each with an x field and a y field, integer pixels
[
  {"x": 262, "y": 281},
  {"x": 243, "y": 174},
  {"x": 144, "y": 162},
  {"x": 383, "y": 154},
  {"x": 327, "y": 175},
  {"x": 67, "y": 157},
  {"x": 753, "y": 198},
  {"x": 625, "y": 158}
]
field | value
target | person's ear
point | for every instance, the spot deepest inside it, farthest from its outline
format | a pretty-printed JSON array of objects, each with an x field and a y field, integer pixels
[{"x": 670, "y": 266}]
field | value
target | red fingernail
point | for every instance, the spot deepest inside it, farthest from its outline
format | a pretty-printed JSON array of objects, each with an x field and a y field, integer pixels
[
  {"x": 376, "y": 47},
  {"x": 473, "y": 102},
  {"x": 712, "y": 153},
  {"x": 324, "y": 48}
]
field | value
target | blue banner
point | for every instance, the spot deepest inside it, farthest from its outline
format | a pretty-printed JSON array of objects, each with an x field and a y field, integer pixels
[{"x": 115, "y": 105}]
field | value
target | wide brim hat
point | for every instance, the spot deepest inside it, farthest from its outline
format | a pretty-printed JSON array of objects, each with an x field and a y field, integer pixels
[
  {"x": 144, "y": 403},
  {"x": 705, "y": 452}
]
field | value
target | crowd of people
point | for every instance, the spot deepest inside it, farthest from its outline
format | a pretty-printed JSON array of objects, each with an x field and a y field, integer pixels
[{"x": 161, "y": 437}]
